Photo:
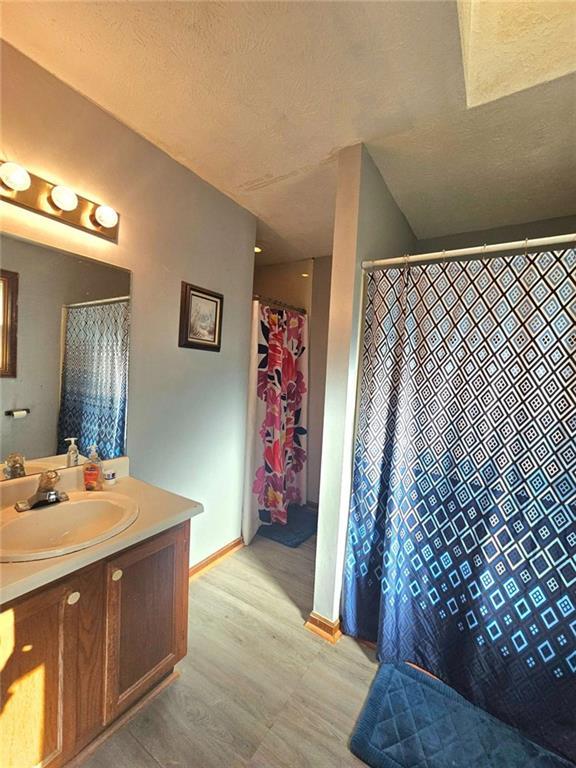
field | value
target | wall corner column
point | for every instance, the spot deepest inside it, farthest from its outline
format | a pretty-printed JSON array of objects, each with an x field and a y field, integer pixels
[
  {"x": 368, "y": 225},
  {"x": 341, "y": 367}
]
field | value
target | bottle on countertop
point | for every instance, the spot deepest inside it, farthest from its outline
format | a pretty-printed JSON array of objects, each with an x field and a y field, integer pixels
[
  {"x": 72, "y": 454},
  {"x": 93, "y": 471}
]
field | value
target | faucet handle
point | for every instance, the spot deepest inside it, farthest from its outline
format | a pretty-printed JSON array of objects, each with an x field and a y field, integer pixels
[
  {"x": 14, "y": 466},
  {"x": 48, "y": 480}
]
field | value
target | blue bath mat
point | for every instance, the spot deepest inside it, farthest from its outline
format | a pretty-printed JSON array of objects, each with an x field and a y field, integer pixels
[
  {"x": 302, "y": 523},
  {"x": 411, "y": 720}
]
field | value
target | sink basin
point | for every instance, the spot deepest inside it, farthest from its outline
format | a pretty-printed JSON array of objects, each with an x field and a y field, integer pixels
[{"x": 87, "y": 519}]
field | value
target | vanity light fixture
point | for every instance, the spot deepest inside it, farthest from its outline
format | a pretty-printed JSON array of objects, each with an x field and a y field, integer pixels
[
  {"x": 63, "y": 198},
  {"x": 106, "y": 217},
  {"x": 15, "y": 177},
  {"x": 56, "y": 202}
]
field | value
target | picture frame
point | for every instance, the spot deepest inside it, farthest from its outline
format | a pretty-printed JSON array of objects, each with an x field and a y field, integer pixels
[
  {"x": 200, "y": 318},
  {"x": 9, "y": 323}
]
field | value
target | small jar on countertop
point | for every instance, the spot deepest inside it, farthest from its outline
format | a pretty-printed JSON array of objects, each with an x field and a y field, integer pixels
[{"x": 109, "y": 477}]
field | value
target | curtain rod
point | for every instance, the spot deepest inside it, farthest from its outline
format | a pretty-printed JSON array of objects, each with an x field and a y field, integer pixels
[
  {"x": 275, "y": 304},
  {"x": 114, "y": 300},
  {"x": 477, "y": 250}
]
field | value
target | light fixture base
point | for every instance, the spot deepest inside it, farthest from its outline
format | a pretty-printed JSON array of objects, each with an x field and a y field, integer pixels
[{"x": 37, "y": 198}]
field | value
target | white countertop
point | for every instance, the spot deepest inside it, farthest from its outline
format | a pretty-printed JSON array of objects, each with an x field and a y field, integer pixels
[{"x": 159, "y": 510}]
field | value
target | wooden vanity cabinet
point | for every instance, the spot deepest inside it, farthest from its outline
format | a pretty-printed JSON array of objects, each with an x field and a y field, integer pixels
[
  {"x": 76, "y": 654},
  {"x": 39, "y": 655},
  {"x": 146, "y": 617}
]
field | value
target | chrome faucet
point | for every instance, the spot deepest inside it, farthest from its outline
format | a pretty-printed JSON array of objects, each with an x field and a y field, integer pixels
[{"x": 46, "y": 493}]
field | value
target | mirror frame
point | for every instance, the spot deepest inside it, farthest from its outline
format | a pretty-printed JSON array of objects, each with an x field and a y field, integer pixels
[{"x": 9, "y": 346}]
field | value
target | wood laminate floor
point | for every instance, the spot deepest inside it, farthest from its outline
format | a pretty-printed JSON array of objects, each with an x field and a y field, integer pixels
[{"x": 256, "y": 689}]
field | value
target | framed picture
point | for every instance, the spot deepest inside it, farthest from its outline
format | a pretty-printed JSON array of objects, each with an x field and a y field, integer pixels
[
  {"x": 200, "y": 318},
  {"x": 8, "y": 323}
]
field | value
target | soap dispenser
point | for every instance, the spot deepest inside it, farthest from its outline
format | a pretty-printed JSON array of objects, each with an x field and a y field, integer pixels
[
  {"x": 72, "y": 454},
  {"x": 93, "y": 471}
]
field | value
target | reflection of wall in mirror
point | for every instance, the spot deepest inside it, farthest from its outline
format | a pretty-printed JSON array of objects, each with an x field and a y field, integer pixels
[{"x": 48, "y": 281}]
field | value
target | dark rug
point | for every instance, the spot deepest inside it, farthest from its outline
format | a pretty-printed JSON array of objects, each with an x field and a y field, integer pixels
[
  {"x": 412, "y": 720},
  {"x": 302, "y": 524}
]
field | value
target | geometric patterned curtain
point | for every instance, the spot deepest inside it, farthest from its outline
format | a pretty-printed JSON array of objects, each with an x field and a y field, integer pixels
[
  {"x": 461, "y": 552},
  {"x": 95, "y": 378}
]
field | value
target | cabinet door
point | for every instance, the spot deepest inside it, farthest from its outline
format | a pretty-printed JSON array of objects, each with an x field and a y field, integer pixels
[
  {"x": 146, "y": 616},
  {"x": 89, "y": 712},
  {"x": 38, "y": 663}
]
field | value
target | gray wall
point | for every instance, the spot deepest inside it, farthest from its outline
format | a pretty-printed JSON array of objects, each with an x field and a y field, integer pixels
[
  {"x": 546, "y": 228},
  {"x": 284, "y": 282},
  {"x": 318, "y": 350},
  {"x": 186, "y": 408},
  {"x": 47, "y": 281}
]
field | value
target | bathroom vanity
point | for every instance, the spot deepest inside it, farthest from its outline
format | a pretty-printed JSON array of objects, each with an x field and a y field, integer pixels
[
  {"x": 87, "y": 637},
  {"x": 94, "y": 585}
]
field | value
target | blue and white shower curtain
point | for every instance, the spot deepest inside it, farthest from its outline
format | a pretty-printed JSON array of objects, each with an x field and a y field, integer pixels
[
  {"x": 95, "y": 378},
  {"x": 461, "y": 552}
]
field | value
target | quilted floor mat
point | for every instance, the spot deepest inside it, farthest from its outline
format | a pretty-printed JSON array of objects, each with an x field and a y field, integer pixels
[
  {"x": 411, "y": 720},
  {"x": 302, "y": 524}
]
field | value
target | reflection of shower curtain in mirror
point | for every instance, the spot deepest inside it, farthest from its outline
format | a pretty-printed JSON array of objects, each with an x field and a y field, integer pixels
[
  {"x": 276, "y": 445},
  {"x": 95, "y": 378}
]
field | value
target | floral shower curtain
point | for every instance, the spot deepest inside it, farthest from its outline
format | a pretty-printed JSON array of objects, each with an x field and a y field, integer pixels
[
  {"x": 461, "y": 552},
  {"x": 277, "y": 411},
  {"x": 95, "y": 378}
]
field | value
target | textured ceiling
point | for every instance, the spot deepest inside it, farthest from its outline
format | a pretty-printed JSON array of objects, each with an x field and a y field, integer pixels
[
  {"x": 489, "y": 166},
  {"x": 257, "y": 98},
  {"x": 513, "y": 45}
]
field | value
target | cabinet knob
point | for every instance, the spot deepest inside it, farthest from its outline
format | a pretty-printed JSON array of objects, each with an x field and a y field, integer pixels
[
  {"x": 117, "y": 574},
  {"x": 73, "y": 598}
]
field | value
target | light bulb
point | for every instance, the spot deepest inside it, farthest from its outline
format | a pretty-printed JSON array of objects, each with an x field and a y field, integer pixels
[
  {"x": 305, "y": 274},
  {"x": 106, "y": 216},
  {"x": 64, "y": 198},
  {"x": 15, "y": 177},
  {"x": 257, "y": 249}
]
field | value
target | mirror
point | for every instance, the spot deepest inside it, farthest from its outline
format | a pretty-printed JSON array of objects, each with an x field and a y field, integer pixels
[{"x": 64, "y": 353}]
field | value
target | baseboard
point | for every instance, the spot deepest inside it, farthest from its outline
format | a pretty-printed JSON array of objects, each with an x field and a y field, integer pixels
[
  {"x": 368, "y": 643},
  {"x": 326, "y": 629},
  {"x": 212, "y": 560}
]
